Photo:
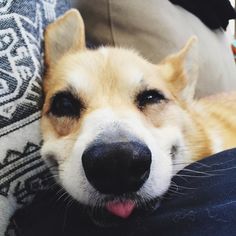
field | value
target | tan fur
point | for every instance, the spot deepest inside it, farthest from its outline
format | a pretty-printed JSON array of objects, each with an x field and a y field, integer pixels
[
  {"x": 112, "y": 77},
  {"x": 220, "y": 115}
]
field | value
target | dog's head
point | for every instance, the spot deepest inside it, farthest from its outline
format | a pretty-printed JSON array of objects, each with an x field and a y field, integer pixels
[{"x": 113, "y": 122}]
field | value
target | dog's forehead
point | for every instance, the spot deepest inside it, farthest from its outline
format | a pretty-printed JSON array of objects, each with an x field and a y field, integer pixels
[{"x": 104, "y": 67}]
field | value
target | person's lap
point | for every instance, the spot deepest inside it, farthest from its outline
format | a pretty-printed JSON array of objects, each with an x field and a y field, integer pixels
[{"x": 204, "y": 203}]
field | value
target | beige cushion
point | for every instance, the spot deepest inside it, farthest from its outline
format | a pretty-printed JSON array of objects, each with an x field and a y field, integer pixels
[{"x": 125, "y": 23}]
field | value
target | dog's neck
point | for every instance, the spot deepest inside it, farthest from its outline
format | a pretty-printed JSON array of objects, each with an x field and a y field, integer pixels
[
  {"x": 197, "y": 136},
  {"x": 211, "y": 128}
]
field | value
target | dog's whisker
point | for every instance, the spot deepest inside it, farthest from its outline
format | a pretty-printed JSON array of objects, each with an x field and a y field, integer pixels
[
  {"x": 176, "y": 193},
  {"x": 223, "y": 169},
  {"x": 60, "y": 192},
  {"x": 198, "y": 172},
  {"x": 62, "y": 196},
  {"x": 185, "y": 188},
  {"x": 181, "y": 163},
  {"x": 70, "y": 202},
  {"x": 193, "y": 176},
  {"x": 66, "y": 200}
]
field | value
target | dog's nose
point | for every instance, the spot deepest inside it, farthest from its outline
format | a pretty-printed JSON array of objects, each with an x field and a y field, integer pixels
[{"x": 117, "y": 168}]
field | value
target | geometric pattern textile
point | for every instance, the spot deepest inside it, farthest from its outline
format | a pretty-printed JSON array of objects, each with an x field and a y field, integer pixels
[{"x": 22, "y": 172}]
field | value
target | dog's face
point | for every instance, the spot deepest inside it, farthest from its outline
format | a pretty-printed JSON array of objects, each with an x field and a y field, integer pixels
[{"x": 113, "y": 122}]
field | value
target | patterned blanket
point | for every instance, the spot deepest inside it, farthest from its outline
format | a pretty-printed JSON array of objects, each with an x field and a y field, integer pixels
[{"x": 22, "y": 172}]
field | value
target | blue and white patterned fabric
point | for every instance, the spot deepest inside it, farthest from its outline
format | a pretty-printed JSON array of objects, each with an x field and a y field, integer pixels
[{"x": 22, "y": 172}]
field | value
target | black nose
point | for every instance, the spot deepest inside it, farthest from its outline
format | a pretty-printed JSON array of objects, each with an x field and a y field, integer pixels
[{"x": 117, "y": 168}]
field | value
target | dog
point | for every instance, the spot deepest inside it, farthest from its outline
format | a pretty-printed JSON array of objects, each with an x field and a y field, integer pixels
[{"x": 114, "y": 125}]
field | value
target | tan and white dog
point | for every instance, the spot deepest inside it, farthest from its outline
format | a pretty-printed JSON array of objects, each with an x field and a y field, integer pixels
[{"x": 115, "y": 124}]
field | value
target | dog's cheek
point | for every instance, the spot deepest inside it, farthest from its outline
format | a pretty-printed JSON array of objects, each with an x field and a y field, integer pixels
[
  {"x": 161, "y": 114},
  {"x": 161, "y": 166},
  {"x": 54, "y": 146},
  {"x": 57, "y": 154},
  {"x": 65, "y": 126},
  {"x": 160, "y": 174},
  {"x": 59, "y": 136},
  {"x": 73, "y": 180},
  {"x": 160, "y": 143},
  {"x": 72, "y": 176},
  {"x": 165, "y": 114}
]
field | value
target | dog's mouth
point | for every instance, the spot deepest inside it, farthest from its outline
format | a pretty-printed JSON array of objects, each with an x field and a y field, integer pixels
[{"x": 114, "y": 211}]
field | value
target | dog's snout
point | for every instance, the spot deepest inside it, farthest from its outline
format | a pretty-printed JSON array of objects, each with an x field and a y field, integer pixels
[{"x": 117, "y": 168}]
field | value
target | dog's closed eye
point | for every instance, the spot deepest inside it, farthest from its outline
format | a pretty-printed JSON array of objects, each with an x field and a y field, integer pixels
[
  {"x": 149, "y": 97},
  {"x": 65, "y": 104}
]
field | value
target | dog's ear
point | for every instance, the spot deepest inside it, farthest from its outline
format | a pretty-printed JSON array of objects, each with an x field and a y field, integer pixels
[
  {"x": 64, "y": 35},
  {"x": 182, "y": 70}
]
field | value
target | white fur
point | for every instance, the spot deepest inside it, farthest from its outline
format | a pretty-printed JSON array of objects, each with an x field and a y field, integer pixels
[
  {"x": 104, "y": 51},
  {"x": 71, "y": 174}
]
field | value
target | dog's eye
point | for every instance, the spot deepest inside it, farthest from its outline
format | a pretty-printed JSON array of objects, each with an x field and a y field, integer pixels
[
  {"x": 65, "y": 104},
  {"x": 149, "y": 97}
]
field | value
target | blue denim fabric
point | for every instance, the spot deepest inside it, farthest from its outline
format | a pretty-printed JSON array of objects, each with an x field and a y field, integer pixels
[{"x": 204, "y": 203}]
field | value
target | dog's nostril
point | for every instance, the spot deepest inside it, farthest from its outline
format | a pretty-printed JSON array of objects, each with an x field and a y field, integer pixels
[{"x": 117, "y": 168}]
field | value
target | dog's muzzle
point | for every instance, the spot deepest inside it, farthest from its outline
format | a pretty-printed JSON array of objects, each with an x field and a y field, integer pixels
[{"x": 118, "y": 167}]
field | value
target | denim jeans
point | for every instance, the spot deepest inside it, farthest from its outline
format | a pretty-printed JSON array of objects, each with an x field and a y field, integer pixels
[{"x": 201, "y": 201}]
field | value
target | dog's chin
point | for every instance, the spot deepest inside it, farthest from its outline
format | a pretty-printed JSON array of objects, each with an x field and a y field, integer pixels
[{"x": 103, "y": 218}]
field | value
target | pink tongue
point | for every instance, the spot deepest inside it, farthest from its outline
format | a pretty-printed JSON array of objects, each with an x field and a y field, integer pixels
[{"x": 121, "y": 209}]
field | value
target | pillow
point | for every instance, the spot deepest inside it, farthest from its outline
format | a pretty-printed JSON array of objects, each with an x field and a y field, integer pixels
[
  {"x": 157, "y": 29},
  {"x": 22, "y": 172},
  {"x": 234, "y": 49}
]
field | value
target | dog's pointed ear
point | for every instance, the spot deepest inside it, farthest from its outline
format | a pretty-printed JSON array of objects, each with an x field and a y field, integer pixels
[
  {"x": 65, "y": 34},
  {"x": 183, "y": 69}
]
